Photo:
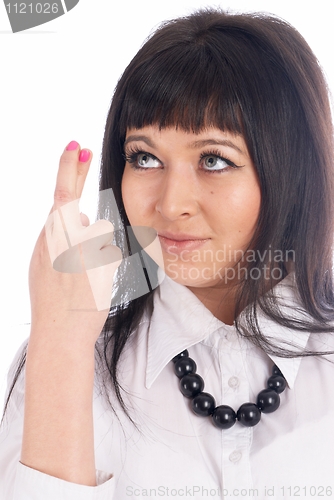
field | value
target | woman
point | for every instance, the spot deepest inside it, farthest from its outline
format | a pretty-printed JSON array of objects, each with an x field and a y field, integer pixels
[{"x": 219, "y": 137}]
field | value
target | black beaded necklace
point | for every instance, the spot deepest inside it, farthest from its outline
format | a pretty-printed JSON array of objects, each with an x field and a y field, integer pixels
[{"x": 223, "y": 416}]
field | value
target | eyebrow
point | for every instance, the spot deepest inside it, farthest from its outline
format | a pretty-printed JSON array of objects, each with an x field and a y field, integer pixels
[{"x": 194, "y": 145}]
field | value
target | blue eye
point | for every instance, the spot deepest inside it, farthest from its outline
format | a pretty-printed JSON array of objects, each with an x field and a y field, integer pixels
[
  {"x": 147, "y": 161},
  {"x": 142, "y": 160},
  {"x": 213, "y": 162}
]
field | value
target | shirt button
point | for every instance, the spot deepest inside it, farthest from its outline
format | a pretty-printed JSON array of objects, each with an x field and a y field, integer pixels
[
  {"x": 233, "y": 382},
  {"x": 235, "y": 456}
]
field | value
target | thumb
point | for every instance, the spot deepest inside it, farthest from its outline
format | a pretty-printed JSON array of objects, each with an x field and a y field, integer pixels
[{"x": 84, "y": 219}]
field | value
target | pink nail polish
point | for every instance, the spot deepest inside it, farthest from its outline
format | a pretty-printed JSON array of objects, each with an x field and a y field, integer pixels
[
  {"x": 72, "y": 146},
  {"x": 84, "y": 155}
]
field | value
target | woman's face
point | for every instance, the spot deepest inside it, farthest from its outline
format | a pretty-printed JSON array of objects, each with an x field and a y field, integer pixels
[{"x": 200, "y": 192}]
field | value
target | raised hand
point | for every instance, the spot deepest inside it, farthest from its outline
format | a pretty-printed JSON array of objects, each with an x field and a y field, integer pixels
[
  {"x": 70, "y": 279},
  {"x": 73, "y": 263}
]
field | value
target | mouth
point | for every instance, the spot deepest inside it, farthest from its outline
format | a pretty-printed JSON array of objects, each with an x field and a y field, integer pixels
[{"x": 176, "y": 243}]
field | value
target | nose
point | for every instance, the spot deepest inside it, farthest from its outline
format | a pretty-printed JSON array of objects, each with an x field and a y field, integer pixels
[{"x": 178, "y": 194}]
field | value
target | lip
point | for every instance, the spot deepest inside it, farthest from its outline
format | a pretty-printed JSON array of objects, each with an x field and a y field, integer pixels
[
  {"x": 176, "y": 243},
  {"x": 181, "y": 237}
]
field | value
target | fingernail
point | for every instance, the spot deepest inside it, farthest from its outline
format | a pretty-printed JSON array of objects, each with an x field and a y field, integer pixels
[
  {"x": 72, "y": 146},
  {"x": 84, "y": 155}
]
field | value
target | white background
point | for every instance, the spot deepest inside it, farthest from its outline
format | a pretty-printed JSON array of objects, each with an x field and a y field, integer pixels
[{"x": 56, "y": 84}]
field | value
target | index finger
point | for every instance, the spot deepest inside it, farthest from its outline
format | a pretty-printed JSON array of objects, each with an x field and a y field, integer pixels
[{"x": 73, "y": 169}]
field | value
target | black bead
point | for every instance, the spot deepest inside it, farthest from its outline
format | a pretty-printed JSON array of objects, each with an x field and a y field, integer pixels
[
  {"x": 277, "y": 383},
  {"x": 191, "y": 385},
  {"x": 249, "y": 414},
  {"x": 268, "y": 401},
  {"x": 183, "y": 366},
  {"x": 224, "y": 417},
  {"x": 276, "y": 371},
  {"x": 183, "y": 354},
  {"x": 203, "y": 404}
]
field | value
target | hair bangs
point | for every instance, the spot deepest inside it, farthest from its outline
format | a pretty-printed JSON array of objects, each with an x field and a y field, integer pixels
[{"x": 184, "y": 89}]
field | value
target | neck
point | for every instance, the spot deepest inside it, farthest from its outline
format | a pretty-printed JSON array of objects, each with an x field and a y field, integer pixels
[{"x": 221, "y": 300}]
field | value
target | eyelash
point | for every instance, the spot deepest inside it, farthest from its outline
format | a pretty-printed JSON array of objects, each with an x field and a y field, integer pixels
[{"x": 131, "y": 157}]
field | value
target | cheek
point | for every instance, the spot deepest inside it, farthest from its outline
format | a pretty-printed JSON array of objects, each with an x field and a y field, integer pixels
[
  {"x": 241, "y": 207},
  {"x": 136, "y": 198}
]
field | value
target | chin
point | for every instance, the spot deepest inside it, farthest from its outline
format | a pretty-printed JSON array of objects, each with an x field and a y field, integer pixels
[{"x": 192, "y": 277}]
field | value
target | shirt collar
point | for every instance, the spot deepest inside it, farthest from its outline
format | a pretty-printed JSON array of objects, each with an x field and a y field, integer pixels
[{"x": 180, "y": 320}]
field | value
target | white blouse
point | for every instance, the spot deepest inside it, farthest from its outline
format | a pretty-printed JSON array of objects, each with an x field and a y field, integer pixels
[{"x": 171, "y": 452}]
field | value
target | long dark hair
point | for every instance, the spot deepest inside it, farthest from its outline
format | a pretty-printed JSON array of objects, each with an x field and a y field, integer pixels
[{"x": 253, "y": 75}]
